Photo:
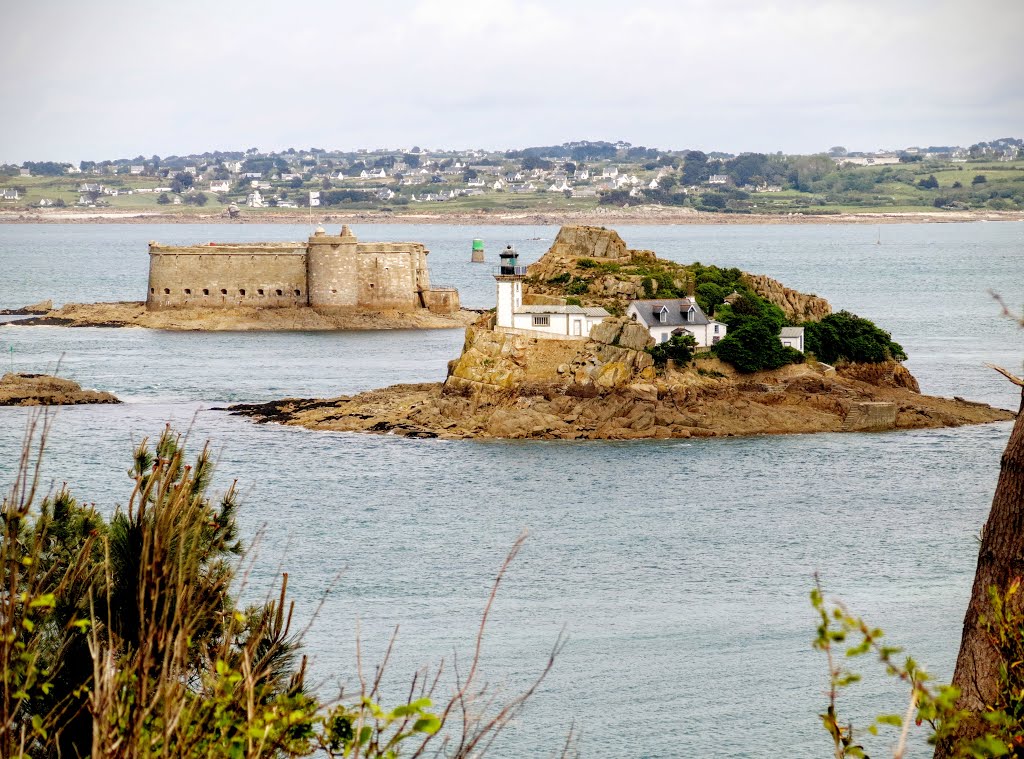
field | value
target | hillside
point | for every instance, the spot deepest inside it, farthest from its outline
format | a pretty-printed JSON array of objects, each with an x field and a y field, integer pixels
[{"x": 592, "y": 266}]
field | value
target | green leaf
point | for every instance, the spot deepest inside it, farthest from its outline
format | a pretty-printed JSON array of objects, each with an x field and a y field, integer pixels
[
  {"x": 428, "y": 724},
  {"x": 890, "y": 719}
]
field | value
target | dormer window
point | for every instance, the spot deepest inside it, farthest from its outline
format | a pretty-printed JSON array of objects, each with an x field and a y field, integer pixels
[{"x": 663, "y": 315}]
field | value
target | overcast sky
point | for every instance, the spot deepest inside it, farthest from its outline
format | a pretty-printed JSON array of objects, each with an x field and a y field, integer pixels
[{"x": 106, "y": 78}]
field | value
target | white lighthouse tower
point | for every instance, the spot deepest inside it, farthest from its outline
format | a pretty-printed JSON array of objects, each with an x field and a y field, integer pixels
[{"x": 510, "y": 286}]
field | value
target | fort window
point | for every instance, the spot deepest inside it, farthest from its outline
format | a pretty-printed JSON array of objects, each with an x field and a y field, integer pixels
[
  {"x": 206, "y": 291},
  {"x": 223, "y": 292},
  {"x": 333, "y": 291},
  {"x": 371, "y": 285},
  {"x": 167, "y": 291},
  {"x": 152, "y": 290},
  {"x": 241, "y": 292},
  {"x": 279, "y": 292},
  {"x": 260, "y": 291},
  {"x": 188, "y": 291},
  {"x": 298, "y": 292}
]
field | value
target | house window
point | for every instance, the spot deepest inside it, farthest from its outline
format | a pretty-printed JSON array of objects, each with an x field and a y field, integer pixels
[
  {"x": 664, "y": 337},
  {"x": 663, "y": 316},
  {"x": 541, "y": 321},
  {"x": 716, "y": 329}
]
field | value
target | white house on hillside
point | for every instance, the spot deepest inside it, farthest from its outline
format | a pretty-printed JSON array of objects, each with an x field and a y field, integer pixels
[
  {"x": 556, "y": 321},
  {"x": 793, "y": 337},
  {"x": 665, "y": 318}
]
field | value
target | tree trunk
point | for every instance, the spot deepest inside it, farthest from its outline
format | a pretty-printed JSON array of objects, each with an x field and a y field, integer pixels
[{"x": 1000, "y": 561}]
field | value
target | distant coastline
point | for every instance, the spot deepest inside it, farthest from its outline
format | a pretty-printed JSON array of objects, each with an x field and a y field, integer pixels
[{"x": 645, "y": 215}]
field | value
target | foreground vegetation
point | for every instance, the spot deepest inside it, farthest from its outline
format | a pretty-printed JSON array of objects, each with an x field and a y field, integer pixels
[{"x": 121, "y": 638}]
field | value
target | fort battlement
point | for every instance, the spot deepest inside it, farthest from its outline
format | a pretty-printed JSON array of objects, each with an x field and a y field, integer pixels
[{"x": 327, "y": 272}]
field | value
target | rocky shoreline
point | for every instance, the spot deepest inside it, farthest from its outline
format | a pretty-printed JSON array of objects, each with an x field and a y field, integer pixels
[
  {"x": 683, "y": 405},
  {"x": 607, "y": 388},
  {"x": 46, "y": 390},
  {"x": 645, "y": 215},
  {"x": 243, "y": 319}
]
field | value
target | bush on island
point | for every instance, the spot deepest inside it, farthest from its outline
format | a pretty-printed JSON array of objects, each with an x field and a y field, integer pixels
[
  {"x": 847, "y": 337},
  {"x": 755, "y": 346},
  {"x": 678, "y": 348}
]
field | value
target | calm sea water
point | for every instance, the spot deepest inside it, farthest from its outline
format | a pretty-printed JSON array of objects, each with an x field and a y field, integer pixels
[{"x": 679, "y": 570}]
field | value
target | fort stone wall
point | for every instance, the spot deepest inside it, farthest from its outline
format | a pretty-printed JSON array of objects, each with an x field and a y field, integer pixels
[
  {"x": 227, "y": 276},
  {"x": 334, "y": 272}
]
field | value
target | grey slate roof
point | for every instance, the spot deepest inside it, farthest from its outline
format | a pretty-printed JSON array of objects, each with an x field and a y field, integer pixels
[
  {"x": 649, "y": 310},
  {"x": 593, "y": 311},
  {"x": 792, "y": 332}
]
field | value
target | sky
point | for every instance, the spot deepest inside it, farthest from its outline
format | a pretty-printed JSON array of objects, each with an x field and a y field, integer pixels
[{"x": 112, "y": 78}]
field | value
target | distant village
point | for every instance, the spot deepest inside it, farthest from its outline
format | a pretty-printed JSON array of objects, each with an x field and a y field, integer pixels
[{"x": 592, "y": 173}]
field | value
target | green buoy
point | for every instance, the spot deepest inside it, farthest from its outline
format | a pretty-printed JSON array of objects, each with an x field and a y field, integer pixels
[{"x": 478, "y": 251}]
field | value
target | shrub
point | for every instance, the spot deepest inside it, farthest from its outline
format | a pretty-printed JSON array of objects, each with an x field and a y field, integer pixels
[
  {"x": 578, "y": 286},
  {"x": 846, "y": 336},
  {"x": 126, "y": 642},
  {"x": 755, "y": 346},
  {"x": 587, "y": 263},
  {"x": 561, "y": 279},
  {"x": 678, "y": 348}
]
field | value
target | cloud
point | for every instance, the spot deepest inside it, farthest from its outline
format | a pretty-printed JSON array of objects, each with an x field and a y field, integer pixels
[{"x": 118, "y": 78}]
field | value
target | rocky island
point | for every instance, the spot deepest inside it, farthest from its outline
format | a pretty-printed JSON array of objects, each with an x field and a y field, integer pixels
[
  {"x": 329, "y": 282},
  {"x": 588, "y": 365},
  {"x": 45, "y": 390}
]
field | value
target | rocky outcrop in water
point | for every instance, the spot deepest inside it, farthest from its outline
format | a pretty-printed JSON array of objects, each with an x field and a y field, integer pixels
[
  {"x": 512, "y": 386},
  {"x": 45, "y": 390},
  {"x": 41, "y": 307},
  {"x": 248, "y": 318}
]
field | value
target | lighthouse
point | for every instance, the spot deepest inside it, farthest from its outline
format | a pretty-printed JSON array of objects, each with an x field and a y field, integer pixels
[{"x": 510, "y": 286}]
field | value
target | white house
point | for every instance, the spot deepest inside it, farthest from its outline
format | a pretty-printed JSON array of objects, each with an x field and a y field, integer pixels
[
  {"x": 557, "y": 321},
  {"x": 565, "y": 321},
  {"x": 793, "y": 337},
  {"x": 254, "y": 199},
  {"x": 220, "y": 185},
  {"x": 665, "y": 318},
  {"x": 718, "y": 179},
  {"x": 135, "y": 170},
  {"x": 556, "y": 187}
]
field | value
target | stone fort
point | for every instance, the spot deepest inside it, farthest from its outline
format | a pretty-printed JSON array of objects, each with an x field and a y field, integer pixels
[{"x": 327, "y": 272}]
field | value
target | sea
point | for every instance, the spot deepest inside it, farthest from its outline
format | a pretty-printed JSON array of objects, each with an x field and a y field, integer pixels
[{"x": 676, "y": 573}]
